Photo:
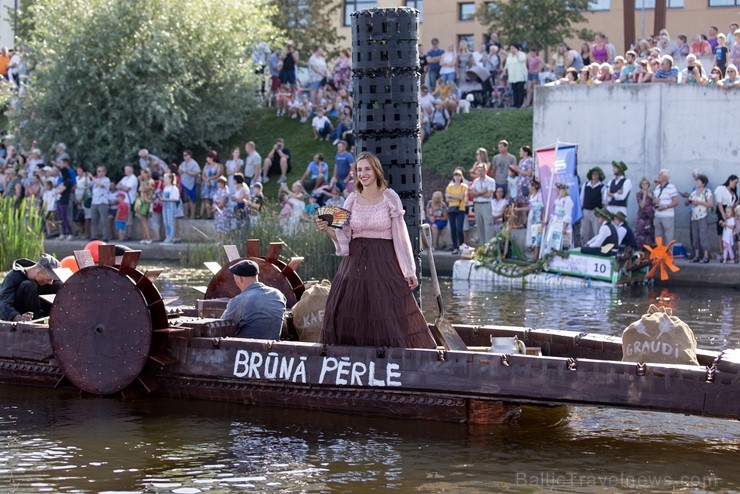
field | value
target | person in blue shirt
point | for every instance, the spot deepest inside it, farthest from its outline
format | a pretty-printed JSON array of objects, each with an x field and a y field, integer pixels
[
  {"x": 316, "y": 174},
  {"x": 344, "y": 166},
  {"x": 259, "y": 309},
  {"x": 433, "y": 57}
]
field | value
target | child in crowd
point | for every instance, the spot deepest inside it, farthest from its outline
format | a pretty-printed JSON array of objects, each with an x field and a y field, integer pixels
[
  {"x": 310, "y": 208},
  {"x": 122, "y": 212},
  {"x": 49, "y": 198},
  {"x": 282, "y": 99},
  {"x": 737, "y": 227},
  {"x": 257, "y": 203},
  {"x": 728, "y": 235},
  {"x": 170, "y": 200},
  {"x": 335, "y": 198},
  {"x": 512, "y": 181}
]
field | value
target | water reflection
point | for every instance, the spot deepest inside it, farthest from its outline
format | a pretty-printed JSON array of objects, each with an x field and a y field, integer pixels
[{"x": 53, "y": 441}]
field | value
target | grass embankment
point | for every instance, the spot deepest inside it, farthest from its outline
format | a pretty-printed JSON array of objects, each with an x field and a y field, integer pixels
[
  {"x": 20, "y": 233},
  {"x": 441, "y": 154}
]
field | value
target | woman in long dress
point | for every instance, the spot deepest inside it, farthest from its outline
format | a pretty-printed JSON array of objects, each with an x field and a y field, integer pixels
[
  {"x": 371, "y": 301},
  {"x": 645, "y": 230},
  {"x": 560, "y": 227}
]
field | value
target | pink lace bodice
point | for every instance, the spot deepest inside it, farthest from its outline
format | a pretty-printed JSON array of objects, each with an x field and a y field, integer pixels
[
  {"x": 384, "y": 221},
  {"x": 372, "y": 221}
]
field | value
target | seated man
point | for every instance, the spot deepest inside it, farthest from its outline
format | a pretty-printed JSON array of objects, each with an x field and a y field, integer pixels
[
  {"x": 624, "y": 232},
  {"x": 607, "y": 235},
  {"x": 279, "y": 156},
  {"x": 258, "y": 310},
  {"x": 316, "y": 174},
  {"x": 19, "y": 292}
]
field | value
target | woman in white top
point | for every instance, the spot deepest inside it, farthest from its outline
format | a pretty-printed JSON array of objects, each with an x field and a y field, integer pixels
[
  {"x": 233, "y": 166},
  {"x": 725, "y": 195},
  {"x": 499, "y": 203},
  {"x": 448, "y": 64},
  {"x": 516, "y": 73}
]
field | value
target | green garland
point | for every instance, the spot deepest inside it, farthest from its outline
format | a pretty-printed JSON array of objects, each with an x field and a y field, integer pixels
[{"x": 489, "y": 256}]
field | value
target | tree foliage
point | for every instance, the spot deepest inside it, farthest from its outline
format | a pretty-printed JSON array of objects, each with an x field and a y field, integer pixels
[
  {"x": 309, "y": 24},
  {"x": 114, "y": 75},
  {"x": 539, "y": 23}
]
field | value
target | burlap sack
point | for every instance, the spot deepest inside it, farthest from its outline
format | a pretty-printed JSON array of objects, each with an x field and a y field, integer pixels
[
  {"x": 659, "y": 337},
  {"x": 308, "y": 313}
]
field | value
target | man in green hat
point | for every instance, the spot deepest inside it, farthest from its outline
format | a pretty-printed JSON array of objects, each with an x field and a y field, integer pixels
[
  {"x": 607, "y": 235},
  {"x": 592, "y": 197},
  {"x": 618, "y": 189}
]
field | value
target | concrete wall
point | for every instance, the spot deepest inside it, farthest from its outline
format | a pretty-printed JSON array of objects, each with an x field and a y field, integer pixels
[
  {"x": 649, "y": 127},
  {"x": 6, "y": 26}
]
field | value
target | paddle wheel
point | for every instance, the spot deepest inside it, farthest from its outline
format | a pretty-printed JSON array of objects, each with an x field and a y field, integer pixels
[
  {"x": 273, "y": 272},
  {"x": 104, "y": 325}
]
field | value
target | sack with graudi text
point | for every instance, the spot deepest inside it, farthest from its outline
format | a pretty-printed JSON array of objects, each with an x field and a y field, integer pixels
[{"x": 659, "y": 337}]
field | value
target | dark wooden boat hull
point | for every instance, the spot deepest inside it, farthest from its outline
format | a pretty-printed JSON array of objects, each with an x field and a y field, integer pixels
[{"x": 469, "y": 386}]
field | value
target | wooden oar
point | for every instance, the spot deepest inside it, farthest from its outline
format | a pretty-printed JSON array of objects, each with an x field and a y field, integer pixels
[{"x": 442, "y": 327}]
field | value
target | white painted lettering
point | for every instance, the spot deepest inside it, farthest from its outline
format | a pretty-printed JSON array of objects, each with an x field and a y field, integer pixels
[
  {"x": 286, "y": 366},
  {"x": 328, "y": 365},
  {"x": 272, "y": 359},
  {"x": 390, "y": 374},
  {"x": 358, "y": 370},
  {"x": 371, "y": 378},
  {"x": 343, "y": 370},
  {"x": 300, "y": 371},
  {"x": 254, "y": 365},
  {"x": 241, "y": 363}
]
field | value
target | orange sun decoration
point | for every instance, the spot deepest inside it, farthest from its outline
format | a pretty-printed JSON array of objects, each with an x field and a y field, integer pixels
[{"x": 661, "y": 256}]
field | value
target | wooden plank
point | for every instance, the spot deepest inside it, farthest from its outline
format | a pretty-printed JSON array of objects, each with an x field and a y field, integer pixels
[
  {"x": 107, "y": 255},
  {"x": 200, "y": 288},
  {"x": 253, "y": 247},
  {"x": 273, "y": 250},
  {"x": 63, "y": 273},
  {"x": 295, "y": 262},
  {"x": 84, "y": 259},
  {"x": 212, "y": 266},
  {"x": 130, "y": 260},
  {"x": 153, "y": 274},
  {"x": 232, "y": 253}
]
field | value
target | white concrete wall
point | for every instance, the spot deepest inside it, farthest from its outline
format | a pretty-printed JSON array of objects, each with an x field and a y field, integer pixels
[{"x": 649, "y": 127}]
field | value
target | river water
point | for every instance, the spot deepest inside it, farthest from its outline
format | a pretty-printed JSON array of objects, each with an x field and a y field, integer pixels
[{"x": 57, "y": 441}]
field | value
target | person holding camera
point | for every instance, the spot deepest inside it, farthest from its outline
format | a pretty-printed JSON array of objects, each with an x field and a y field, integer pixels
[{"x": 279, "y": 155}]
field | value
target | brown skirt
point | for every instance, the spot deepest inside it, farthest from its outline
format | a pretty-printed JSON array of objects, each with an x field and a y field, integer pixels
[{"x": 370, "y": 303}]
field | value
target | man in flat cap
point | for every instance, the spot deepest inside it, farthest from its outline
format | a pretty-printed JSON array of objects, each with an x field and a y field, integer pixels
[
  {"x": 606, "y": 235},
  {"x": 258, "y": 310},
  {"x": 20, "y": 290}
]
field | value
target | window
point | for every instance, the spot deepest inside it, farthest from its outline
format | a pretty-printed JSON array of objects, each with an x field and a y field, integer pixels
[
  {"x": 468, "y": 38},
  {"x": 355, "y": 5},
  {"x": 599, "y": 5},
  {"x": 493, "y": 8},
  {"x": 723, "y": 3},
  {"x": 418, "y": 5},
  {"x": 650, "y": 4},
  {"x": 465, "y": 11},
  {"x": 300, "y": 18}
]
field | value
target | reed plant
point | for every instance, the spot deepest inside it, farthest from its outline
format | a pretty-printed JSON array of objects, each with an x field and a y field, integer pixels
[
  {"x": 21, "y": 232},
  {"x": 320, "y": 260}
]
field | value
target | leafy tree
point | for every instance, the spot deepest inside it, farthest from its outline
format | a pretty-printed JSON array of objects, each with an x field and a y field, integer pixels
[
  {"x": 113, "y": 75},
  {"x": 308, "y": 23},
  {"x": 540, "y": 23}
]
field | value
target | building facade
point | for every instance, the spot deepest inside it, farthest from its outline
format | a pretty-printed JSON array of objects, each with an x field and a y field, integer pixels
[{"x": 453, "y": 20}]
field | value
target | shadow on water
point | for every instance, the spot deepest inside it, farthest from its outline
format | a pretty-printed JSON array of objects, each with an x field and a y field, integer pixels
[{"x": 61, "y": 441}]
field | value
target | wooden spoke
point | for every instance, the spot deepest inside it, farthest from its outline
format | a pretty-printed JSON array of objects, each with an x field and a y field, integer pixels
[
  {"x": 273, "y": 251},
  {"x": 153, "y": 274},
  {"x": 295, "y": 262},
  {"x": 130, "y": 260}
]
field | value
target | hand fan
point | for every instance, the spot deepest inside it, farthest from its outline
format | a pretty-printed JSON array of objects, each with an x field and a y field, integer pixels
[{"x": 336, "y": 217}]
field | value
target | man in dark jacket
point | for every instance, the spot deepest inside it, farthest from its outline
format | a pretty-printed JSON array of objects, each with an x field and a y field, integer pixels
[{"x": 19, "y": 292}]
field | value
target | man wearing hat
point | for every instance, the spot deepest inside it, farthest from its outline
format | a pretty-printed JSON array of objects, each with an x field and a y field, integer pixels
[
  {"x": 258, "y": 310},
  {"x": 618, "y": 189},
  {"x": 592, "y": 197},
  {"x": 607, "y": 234},
  {"x": 19, "y": 292},
  {"x": 624, "y": 233}
]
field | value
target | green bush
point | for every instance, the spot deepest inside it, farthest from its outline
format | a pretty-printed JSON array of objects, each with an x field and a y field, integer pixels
[
  {"x": 114, "y": 75},
  {"x": 456, "y": 146}
]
